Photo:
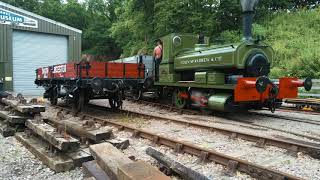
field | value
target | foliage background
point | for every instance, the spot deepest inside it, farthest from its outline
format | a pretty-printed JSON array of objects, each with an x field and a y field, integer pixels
[{"x": 113, "y": 28}]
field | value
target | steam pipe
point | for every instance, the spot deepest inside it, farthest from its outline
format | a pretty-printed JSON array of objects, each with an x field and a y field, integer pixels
[
  {"x": 248, "y": 10},
  {"x": 247, "y": 25}
]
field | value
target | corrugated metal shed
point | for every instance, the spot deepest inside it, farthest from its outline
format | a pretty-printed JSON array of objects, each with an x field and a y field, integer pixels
[{"x": 34, "y": 23}]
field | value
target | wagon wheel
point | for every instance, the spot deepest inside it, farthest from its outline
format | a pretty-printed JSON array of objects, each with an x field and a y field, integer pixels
[
  {"x": 177, "y": 101},
  {"x": 137, "y": 95},
  {"x": 86, "y": 99},
  {"x": 54, "y": 96},
  {"x": 79, "y": 100},
  {"x": 115, "y": 102}
]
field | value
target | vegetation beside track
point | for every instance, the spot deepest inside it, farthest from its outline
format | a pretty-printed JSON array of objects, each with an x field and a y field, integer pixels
[{"x": 128, "y": 27}]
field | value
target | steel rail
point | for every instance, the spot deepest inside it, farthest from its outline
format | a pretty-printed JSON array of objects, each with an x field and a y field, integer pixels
[
  {"x": 308, "y": 121},
  {"x": 295, "y": 110},
  {"x": 170, "y": 107},
  {"x": 307, "y": 101},
  {"x": 292, "y": 145},
  {"x": 260, "y": 126},
  {"x": 253, "y": 113},
  {"x": 232, "y": 163},
  {"x": 285, "y": 131}
]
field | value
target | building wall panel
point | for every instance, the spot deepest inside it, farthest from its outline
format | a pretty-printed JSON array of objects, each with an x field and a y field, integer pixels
[{"x": 44, "y": 26}]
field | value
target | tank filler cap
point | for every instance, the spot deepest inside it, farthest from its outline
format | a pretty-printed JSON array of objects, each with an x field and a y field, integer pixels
[{"x": 176, "y": 40}]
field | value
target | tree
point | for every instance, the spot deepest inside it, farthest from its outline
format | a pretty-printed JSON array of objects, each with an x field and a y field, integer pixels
[
  {"x": 29, "y": 5},
  {"x": 52, "y": 9},
  {"x": 112, "y": 27},
  {"x": 133, "y": 30},
  {"x": 296, "y": 43},
  {"x": 75, "y": 15},
  {"x": 96, "y": 36}
]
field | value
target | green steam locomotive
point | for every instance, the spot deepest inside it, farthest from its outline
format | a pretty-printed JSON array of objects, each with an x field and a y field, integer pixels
[{"x": 222, "y": 78}]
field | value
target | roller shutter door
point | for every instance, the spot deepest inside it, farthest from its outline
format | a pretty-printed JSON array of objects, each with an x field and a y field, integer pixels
[{"x": 32, "y": 50}]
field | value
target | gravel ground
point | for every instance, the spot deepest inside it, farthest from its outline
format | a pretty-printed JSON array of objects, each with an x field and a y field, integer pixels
[
  {"x": 302, "y": 166},
  {"x": 294, "y": 126},
  {"x": 211, "y": 170},
  {"x": 271, "y": 157},
  {"x": 17, "y": 163},
  {"x": 247, "y": 123},
  {"x": 138, "y": 147},
  {"x": 296, "y": 114}
]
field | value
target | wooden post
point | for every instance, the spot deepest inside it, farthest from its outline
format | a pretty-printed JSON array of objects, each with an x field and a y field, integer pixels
[
  {"x": 109, "y": 158},
  {"x": 76, "y": 129},
  {"x": 49, "y": 134},
  {"x": 183, "y": 171}
]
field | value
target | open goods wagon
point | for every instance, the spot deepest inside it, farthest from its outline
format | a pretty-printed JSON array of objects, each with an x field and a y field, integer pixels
[{"x": 80, "y": 82}]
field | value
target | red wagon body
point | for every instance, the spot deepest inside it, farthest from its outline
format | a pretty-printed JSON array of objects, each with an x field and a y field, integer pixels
[
  {"x": 81, "y": 82},
  {"x": 109, "y": 70}
]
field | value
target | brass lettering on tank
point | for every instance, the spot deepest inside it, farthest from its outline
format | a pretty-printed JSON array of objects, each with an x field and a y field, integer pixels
[{"x": 202, "y": 60}]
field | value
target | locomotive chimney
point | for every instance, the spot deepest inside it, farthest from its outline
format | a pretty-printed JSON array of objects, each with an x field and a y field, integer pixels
[{"x": 248, "y": 10}]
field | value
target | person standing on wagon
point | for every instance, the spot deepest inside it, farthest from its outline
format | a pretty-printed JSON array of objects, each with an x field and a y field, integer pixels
[{"x": 157, "y": 54}]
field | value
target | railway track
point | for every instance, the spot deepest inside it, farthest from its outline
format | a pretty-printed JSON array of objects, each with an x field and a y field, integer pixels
[
  {"x": 167, "y": 106},
  {"x": 313, "y": 149},
  {"x": 286, "y": 118},
  {"x": 307, "y": 105},
  {"x": 195, "y": 112},
  {"x": 296, "y": 110},
  {"x": 232, "y": 164},
  {"x": 237, "y": 120},
  {"x": 281, "y": 130},
  {"x": 313, "y": 102}
]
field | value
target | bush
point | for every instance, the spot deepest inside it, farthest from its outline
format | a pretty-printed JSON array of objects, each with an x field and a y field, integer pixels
[
  {"x": 295, "y": 37},
  {"x": 228, "y": 37}
]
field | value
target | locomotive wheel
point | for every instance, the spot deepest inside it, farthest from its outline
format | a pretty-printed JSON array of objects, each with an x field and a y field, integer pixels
[
  {"x": 205, "y": 111},
  {"x": 79, "y": 100},
  {"x": 161, "y": 93},
  {"x": 54, "y": 96},
  {"x": 177, "y": 101},
  {"x": 115, "y": 102}
]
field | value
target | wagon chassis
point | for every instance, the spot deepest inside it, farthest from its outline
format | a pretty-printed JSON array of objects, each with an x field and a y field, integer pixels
[{"x": 78, "y": 91}]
